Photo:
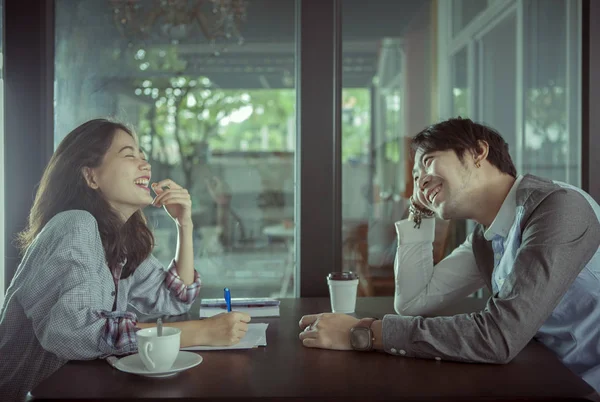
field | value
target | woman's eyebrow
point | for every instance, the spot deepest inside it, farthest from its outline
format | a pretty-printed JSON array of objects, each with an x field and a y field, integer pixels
[{"x": 126, "y": 147}]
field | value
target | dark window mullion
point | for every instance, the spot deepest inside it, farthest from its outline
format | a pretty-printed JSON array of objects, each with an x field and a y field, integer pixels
[
  {"x": 318, "y": 167},
  {"x": 590, "y": 93},
  {"x": 28, "y": 102}
]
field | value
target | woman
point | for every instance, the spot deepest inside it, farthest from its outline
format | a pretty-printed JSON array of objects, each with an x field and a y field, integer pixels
[{"x": 87, "y": 261}]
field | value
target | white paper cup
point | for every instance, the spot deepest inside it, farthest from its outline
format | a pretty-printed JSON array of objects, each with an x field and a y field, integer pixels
[
  {"x": 158, "y": 353},
  {"x": 342, "y": 291}
]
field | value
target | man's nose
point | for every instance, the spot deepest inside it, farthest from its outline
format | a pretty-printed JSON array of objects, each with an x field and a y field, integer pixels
[{"x": 423, "y": 181}]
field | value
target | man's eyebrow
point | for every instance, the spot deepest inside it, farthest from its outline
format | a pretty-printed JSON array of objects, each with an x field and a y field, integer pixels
[{"x": 415, "y": 170}]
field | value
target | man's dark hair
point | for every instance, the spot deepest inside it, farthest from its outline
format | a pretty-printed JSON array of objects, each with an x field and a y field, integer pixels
[{"x": 463, "y": 135}]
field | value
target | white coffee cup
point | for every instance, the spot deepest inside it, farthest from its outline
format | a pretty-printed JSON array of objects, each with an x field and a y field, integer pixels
[
  {"x": 342, "y": 291},
  {"x": 158, "y": 353}
]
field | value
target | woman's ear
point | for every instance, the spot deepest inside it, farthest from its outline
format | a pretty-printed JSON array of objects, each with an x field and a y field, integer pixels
[
  {"x": 481, "y": 153},
  {"x": 88, "y": 175}
]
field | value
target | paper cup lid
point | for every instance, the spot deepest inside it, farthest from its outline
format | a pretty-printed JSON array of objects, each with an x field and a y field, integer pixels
[{"x": 342, "y": 276}]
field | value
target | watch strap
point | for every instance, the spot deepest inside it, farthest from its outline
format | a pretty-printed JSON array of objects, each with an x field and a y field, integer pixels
[{"x": 365, "y": 322}]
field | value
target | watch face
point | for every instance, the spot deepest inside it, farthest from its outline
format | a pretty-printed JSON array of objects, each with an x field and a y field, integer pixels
[{"x": 360, "y": 338}]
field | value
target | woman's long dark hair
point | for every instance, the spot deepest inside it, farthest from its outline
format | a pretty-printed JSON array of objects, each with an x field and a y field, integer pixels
[{"x": 63, "y": 187}]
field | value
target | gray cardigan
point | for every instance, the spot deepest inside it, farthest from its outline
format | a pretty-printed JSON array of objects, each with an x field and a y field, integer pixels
[{"x": 550, "y": 269}]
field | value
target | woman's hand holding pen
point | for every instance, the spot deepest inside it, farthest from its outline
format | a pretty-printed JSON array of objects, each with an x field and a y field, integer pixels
[{"x": 224, "y": 329}]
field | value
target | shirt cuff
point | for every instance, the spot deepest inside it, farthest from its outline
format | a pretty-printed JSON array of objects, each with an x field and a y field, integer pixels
[
  {"x": 395, "y": 334},
  {"x": 185, "y": 293},
  {"x": 407, "y": 233},
  {"x": 119, "y": 331}
]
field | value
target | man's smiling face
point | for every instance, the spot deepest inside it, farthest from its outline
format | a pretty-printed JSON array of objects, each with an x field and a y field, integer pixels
[{"x": 443, "y": 183}]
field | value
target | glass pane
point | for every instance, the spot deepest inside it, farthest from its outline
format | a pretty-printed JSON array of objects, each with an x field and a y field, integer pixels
[
  {"x": 498, "y": 74},
  {"x": 1, "y": 151},
  {"x": 209, "y": 88},
  {"x": 387, "y": 98},
  {"x": 464, "y": 11},
  {"x": 551, "y": 139},
  {"x": 460, "y": 87}
]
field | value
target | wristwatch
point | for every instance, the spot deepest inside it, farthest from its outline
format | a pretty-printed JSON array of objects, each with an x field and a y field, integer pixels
[{"x": 361, "y": 335}]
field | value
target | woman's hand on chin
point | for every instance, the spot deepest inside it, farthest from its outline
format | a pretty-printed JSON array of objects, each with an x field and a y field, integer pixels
[{"x": 175, "y": 199}]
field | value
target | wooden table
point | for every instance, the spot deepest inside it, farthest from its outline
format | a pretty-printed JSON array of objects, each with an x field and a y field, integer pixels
[{"x": 285, "y": 369}]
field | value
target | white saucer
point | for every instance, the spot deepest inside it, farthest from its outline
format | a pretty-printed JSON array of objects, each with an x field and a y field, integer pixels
[{"x": 133, "y": 365}]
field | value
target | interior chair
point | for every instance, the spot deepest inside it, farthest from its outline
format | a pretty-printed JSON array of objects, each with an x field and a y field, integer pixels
[{"x": 376, "y": 268}]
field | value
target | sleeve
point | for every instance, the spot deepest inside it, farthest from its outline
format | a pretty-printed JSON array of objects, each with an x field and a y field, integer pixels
[
  {"x": 159, "y": 291},
  {"x": 421, "y": 287},
  {"x": 68, "y": 297},
  {"x": 559, "y": 239}
]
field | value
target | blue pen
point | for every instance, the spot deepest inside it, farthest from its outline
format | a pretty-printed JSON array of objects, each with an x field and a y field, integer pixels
[{"x": 227, "y": 299}]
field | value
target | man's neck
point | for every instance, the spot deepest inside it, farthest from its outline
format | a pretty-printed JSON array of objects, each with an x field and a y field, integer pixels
[{"x": 493, "y": 193}]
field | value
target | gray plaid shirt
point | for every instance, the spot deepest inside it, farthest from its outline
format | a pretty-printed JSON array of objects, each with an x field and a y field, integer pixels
[{"x": 59, "y": 304}]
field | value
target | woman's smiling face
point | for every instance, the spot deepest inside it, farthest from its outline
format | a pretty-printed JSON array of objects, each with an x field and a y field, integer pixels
[{"x": 124, "y": 176}]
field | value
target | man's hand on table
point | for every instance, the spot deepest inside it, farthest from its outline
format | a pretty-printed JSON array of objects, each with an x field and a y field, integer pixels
[{"x": 327, "y": 331}]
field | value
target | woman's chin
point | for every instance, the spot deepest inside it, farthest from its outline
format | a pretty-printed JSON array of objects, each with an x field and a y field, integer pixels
[{"x": 144, "y": 204}]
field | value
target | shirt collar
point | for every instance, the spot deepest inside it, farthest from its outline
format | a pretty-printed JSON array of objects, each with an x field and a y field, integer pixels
[{"x": 506, "y": 215}]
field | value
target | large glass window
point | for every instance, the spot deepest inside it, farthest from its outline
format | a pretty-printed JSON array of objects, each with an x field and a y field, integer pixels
[
  {"x": 2, "y": 153},
  {"x": 519, "y": 68},
  {"x": 464, "y": 11},
  {"x": 498, "y": 77},
  {"x": 209, "y": 88},
  {"x": 387, "y": 98},
  {"x": 460, "y": 85},
  {"x": 551, "y": 134}
]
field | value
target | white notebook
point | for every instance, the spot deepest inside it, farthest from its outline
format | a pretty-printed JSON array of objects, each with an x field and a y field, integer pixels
[
  {"x": 270, "y": 311},
  {"x": 254, "y": 307},
  {"x": 255, "y": 337}
]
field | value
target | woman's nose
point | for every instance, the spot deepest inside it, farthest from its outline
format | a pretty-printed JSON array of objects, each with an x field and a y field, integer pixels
[{"x": 145, "y": 165}]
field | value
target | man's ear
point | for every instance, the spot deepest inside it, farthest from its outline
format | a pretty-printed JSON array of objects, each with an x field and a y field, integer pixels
[
  {"x": 481, "y": 152},
  {"x": 90, "y": 177}
]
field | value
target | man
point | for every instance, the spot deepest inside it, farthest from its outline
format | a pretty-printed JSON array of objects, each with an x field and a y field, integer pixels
[{"x": 535, "y": 246}]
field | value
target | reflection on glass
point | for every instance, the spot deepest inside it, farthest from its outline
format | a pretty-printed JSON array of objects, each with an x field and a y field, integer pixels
[
  {"x": 211, "y": 95},
  {"x": 1, "y": 152},
  {"x": 550, "y": 145},
  {"x": 498, "y": 72},
  {"x": 551, "y": 133},
  {"x": 387, "y": 98},
  {"x": 460, "y": 87},
  {"x": 464, "y": 11},
  {"x": 356, "y": 123}
]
